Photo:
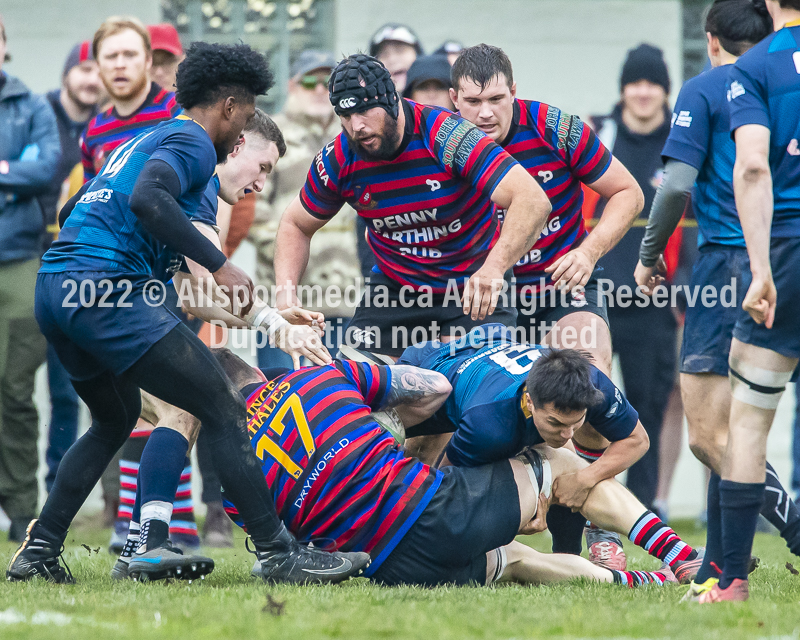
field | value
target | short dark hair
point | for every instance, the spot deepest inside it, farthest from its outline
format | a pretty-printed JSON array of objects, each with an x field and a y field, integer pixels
[
  {"x": 480, "y": 64},
  {"x": 563, "y": 377},
  {"x": 790, "y": 4},
  {"x": 739, "y": 24},
  {"x": 240, "y": 373},
  {"x": 262, "y": 125},
  {"x": 212, "y": 72}
]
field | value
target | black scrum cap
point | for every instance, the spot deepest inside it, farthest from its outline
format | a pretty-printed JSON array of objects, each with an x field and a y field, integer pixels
[{"x": 360, "y": 82}]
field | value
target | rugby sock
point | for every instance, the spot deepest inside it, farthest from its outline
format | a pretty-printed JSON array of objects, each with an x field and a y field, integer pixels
[
  {"x": 132, "y": 541},
  {"x": 566, "y": 528},
  {"x": 183, "y": 527},
  {"x": 781, "y": 511},
  {"x": 740, "y": 505},
  {"x": 659, "y": 540},
  {"x": 130, "y": 457},
  {"x": 159, "y": 475},
  {"x": 590, "y": 455},
  {"x": 635, "y": 579},
  {"x": 713, "y": 535}
]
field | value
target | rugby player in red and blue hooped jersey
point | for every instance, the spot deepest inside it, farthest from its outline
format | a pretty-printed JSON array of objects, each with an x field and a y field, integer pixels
[
  {"x": 121, "y": 47},
  {"x": 426, "y": 182},
  {"x": 560, "y": 152}
]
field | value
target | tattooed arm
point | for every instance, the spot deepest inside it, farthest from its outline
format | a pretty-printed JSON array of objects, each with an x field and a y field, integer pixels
[{"x": 416, "y": 393}]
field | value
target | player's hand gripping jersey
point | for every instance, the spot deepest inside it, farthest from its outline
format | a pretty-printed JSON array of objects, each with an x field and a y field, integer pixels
[
  {"x": 560, "y": 152},
  {"x": 487, "y": 407},
  {"x": 428, "y": 211},
  {"x": 764, "y": 89},
  {"x": 700, "y": 137},
  {"x": 102, "y": 233},
  {"x": 334, "y": 473}
]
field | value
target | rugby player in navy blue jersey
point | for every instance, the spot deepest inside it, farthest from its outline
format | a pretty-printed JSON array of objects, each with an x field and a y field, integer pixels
[
  {"x": 558, "y": 300},
  {"x": 764, "y": 99},
  {"x": 337, "y": 476},
  {"x": 700, "y": 153},
  {"x": 91, "y": 305},
  {"x": 426, "y": 182}
]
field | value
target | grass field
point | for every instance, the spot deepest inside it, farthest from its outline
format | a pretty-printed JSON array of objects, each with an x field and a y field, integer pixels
[{"x": 229, "y": 604}]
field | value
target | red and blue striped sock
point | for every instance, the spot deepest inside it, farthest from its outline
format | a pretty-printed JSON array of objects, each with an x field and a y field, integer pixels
[
  {"x": 635, "y": 579},
  {"x": 659, "y": 540}
]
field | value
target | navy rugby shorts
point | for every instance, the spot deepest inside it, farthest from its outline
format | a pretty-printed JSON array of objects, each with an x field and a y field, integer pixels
[
  {"x": 98, "y": 332},
  {"x": 784, "y": 337},
  {"x": 708, "y": 330},
  {"x": 474, "y": 511}
]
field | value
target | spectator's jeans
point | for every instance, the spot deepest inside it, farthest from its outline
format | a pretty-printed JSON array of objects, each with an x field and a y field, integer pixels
[
  {"x": 64, "y": 408},
  {"x": 646, "y": 341},
  {"x": 22, "y": 351}
]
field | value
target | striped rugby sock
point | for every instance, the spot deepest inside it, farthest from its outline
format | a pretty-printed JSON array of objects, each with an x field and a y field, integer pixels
[
  {"x": 635, "y": 579},
  {"x": 183, "y": 522},
  {"x": 659, "y": 540}
]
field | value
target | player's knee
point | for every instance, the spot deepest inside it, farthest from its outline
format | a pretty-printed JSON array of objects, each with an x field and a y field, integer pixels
[{"x": 755, "y": 386}]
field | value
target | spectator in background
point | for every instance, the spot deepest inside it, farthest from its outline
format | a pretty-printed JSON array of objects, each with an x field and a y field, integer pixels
[
  {"x": 29, "y": 155},
  {"x": 167, "y": 54},
  {"x": 74, "y": 104},
  {"x": 308, "y": 123},
  {"x": 122, "y": 48},
  {"x": 429, "y": 82},
  {"x": 645, "y": 338},
  {"x": 396, "y": 46},
  {"x": 451, "y": 49}
]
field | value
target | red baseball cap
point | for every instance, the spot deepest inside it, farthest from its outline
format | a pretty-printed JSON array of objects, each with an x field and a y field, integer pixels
[{"x": 165, "y": 37}]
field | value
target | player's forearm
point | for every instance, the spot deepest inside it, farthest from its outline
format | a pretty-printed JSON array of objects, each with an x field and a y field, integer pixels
[
  {"x": 154, "y": 202},
  {"x": 618, "y": 457},
  {"x": 752, "y": 185},
  {"x": 292, "y": 247},
  {"x": 667, "y": 210},
  {"x": 620, "y": 211},
  {"x": 217, "y": 306},
  {"x": 524, "y": 220}
]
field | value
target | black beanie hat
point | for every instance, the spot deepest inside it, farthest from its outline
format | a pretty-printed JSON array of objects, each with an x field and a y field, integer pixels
[
  {"x": 360, "y": 82},
  {"x": 645, "y": 62}
]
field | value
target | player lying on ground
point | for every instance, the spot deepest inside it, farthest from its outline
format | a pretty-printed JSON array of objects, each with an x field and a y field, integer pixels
[
  {"x": 117, "y": 343},
  {"x": 508, "y": 396},
  {"x": 699, "y": 157},
  {"x": 337, "y": 475}
]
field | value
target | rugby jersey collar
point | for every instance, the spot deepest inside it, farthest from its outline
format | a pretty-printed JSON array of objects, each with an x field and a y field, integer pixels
[
  {"x": 512, "y": 130},
  {"x": 155, "y": 89}
]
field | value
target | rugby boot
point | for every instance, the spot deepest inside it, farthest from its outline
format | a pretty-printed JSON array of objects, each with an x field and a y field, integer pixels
[
  {"x": 686, "y": 570},
  {"x": 120, "y": 569},
  {"x": 605, "y": 549},
  {"x": 737, "y": 591},
  {"x": 39, "y": 556},
  {"x": 285, "y": 560},
  {"x": 698, "y": 589},
  {"x": 167, "y": 561}
]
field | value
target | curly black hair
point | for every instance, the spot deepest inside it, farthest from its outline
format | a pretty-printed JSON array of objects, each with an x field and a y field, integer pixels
[{"x": 212, "y": 72}]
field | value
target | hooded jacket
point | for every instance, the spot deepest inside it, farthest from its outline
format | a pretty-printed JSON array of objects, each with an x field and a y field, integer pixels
[{"x": 29, "y": 142}]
